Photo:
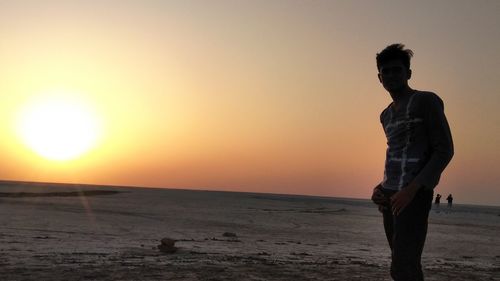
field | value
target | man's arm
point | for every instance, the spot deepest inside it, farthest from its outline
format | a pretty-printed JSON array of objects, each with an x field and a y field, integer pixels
[{"x": 440, "y": 140}]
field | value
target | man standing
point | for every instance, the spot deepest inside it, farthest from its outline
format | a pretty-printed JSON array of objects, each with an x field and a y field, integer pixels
[
  {"x": 419, "y": 147},
  {"x": 438, "y": 200},
  {"x": 450, "y": 200}
]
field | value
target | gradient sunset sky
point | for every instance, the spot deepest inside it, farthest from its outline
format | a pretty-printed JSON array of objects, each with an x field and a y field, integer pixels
[{"x": 259, "y": 96}]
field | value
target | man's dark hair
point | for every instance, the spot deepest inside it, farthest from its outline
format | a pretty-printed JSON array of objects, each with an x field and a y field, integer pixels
[{"x": 395, "y": 52}]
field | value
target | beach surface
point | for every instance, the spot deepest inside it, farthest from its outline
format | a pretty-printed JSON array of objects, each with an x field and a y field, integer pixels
[{"x": 76, "y": 232}]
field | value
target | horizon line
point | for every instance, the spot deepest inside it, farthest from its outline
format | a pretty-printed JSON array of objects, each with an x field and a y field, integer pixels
[{"x": 42, "y": 183}]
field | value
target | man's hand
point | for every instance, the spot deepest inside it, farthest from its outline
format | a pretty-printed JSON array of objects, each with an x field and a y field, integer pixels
[
  {"x": 403, "y": 198},
  {"x": 379, "y": 198}
]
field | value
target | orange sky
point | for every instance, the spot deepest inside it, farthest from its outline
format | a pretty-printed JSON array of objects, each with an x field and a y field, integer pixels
[{"x": 265, "y": 96}]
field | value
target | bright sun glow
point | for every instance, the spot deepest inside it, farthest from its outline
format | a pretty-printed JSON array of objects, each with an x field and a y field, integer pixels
[{"x": 58, "y": 128}]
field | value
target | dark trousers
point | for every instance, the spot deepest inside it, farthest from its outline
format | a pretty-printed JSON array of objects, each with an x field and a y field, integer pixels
[{"x": 406, "y": 235}]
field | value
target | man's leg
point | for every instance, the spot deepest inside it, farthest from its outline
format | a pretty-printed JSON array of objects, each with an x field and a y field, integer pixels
[
  {"x": 406, "y": 234},
  {"x": 388, "y": 218}
]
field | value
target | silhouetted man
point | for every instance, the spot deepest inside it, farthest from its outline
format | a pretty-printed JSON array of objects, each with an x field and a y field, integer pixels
[
  {"x": 419, "y": 147},
  {"x": 438, "y": 200},
  {"x": 450, "y": 200}
]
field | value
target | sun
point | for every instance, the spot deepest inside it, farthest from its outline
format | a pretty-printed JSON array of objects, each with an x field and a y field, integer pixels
[{"x": 58, "y": 128}]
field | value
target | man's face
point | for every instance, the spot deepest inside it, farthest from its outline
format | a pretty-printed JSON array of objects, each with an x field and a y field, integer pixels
[{"x": 394, "y": 76}]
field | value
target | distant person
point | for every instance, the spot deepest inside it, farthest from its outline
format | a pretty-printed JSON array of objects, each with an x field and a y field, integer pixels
[
  {"x": 450, "y": 200},
  {"x": 419, "y": 148},
  {"x": 438, "y": 200}
]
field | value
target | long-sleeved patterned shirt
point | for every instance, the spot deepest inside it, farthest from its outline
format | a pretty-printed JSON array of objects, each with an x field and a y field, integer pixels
[{"x": 419, "y": 142}]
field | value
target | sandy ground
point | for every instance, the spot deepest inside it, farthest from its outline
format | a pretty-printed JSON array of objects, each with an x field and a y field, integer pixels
[{"x": 91, "y": 235}]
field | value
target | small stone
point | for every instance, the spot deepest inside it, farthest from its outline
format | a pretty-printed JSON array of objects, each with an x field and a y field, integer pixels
[
  {"x": 169, "y": 242},
  {"x": 167, "y": 245},
  {"x": 229, "y": 234}
]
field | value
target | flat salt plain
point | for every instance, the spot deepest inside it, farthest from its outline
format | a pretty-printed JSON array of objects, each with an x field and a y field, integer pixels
[{"x": 78, "y": 232}]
